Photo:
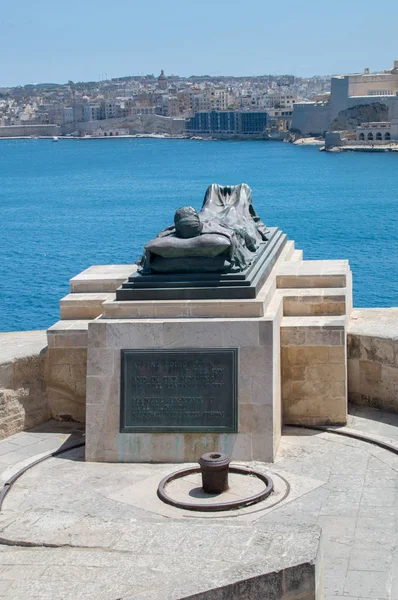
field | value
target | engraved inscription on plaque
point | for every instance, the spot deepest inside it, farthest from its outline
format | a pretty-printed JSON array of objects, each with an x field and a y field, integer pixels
[{"x": 179, "y": 391}]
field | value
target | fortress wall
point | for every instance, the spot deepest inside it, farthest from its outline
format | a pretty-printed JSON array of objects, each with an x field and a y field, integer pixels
[
  {"x": 28, "y": 130},
  {"x": 390, "y": 101},
  {"x": 311, "y": 118},
  {"x": 372, "y": 346}
]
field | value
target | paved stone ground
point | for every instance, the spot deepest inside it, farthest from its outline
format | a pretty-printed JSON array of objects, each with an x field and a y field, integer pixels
[
  {"x": 75, "y": 536},
  {"x": 20, "y": 449}
]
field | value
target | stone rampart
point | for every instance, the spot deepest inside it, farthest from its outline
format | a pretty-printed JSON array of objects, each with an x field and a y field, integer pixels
[
  {"x": 23, "y": 394},
  {"x": 311, "y": 118},
  {"x": 373, "y": 358},
  {"x": 28, "y": 130}
]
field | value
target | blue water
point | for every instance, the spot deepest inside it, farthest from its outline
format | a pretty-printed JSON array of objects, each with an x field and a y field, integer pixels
[{"x": 67, "y": 206}]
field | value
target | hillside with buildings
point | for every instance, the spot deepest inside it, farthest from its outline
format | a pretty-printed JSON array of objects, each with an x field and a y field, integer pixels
[
  {"x": 157, "y": 105},
  {"x": 217, "y": 107}
]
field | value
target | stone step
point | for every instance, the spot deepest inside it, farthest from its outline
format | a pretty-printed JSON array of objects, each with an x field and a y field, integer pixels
[
  {"x": 314, "y": 302},
  {"x": 182, "y": 309},
  {"x": 314, "y": 274},
  {"x": 84, "y": 305},
  {"x": 288, "y": 251},
  {"x": 313, "y": 331},
  {"x": 101, "y": 278},
  {"x": 68, "y": 334},
  {"x": 297, "y": 256}
]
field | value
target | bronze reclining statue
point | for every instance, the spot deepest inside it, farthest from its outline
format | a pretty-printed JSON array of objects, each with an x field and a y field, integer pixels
[{"x": 223, "y": 237}]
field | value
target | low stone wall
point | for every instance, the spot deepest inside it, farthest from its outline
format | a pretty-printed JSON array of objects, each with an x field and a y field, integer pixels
[
  {"x": 38, "y": 383},
  {"x": 28, "y": 130},
  {"x": 373, "y": 358},
  {"x": 23, "y": 395}
]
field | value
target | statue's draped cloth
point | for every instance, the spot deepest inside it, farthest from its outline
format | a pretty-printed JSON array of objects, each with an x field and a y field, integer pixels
[{"x": 226, "y": 211}]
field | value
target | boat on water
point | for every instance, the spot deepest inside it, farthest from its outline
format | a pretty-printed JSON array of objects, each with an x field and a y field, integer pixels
[{"x": 55, "y": 138}]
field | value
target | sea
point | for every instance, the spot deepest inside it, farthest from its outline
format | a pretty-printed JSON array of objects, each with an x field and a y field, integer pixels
[{"x": 66, "y": 206}]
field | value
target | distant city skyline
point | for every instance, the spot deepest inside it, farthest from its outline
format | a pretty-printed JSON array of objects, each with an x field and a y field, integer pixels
[
  {"x": 170, "y": 76},
  {"x": 54, "y": 43}
]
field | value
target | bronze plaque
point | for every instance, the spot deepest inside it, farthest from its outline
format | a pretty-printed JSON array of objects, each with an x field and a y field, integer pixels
[{"x": 179, "y": 391}]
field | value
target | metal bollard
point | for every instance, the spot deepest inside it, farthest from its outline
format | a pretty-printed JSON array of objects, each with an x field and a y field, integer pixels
[{"x": 214, "y": 468}]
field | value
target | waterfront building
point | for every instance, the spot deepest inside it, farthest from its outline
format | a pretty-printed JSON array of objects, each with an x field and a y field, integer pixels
[
  {"x": 111, "y": 132},
  {"x": 252, "y": 122},
  {"x": 212, "y": 122},
  {"x": 377, "y": 132},
  {"x": 228, "y": 122}
]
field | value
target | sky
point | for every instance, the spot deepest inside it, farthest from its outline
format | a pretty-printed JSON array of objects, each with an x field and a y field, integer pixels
[{"x": 85, "y": 40}]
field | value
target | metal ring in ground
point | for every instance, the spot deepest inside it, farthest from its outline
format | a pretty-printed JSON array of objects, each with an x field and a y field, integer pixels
[{"x": 269, "y": 486}]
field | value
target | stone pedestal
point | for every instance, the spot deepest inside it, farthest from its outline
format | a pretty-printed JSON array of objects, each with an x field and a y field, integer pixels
[
  {"x": 290, "y": 340},
  {"x": 259, "y": 424}
]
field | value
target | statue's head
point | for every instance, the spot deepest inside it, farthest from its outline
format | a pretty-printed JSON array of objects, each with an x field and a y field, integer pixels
[{"x": 187, "y": 222}]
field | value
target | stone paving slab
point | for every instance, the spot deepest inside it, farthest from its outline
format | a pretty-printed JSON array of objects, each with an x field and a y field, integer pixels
[
  {"x": 175, "y": 559},
  {"x": 142, "y": 494},
  {"x": 19, "y": 450}
]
